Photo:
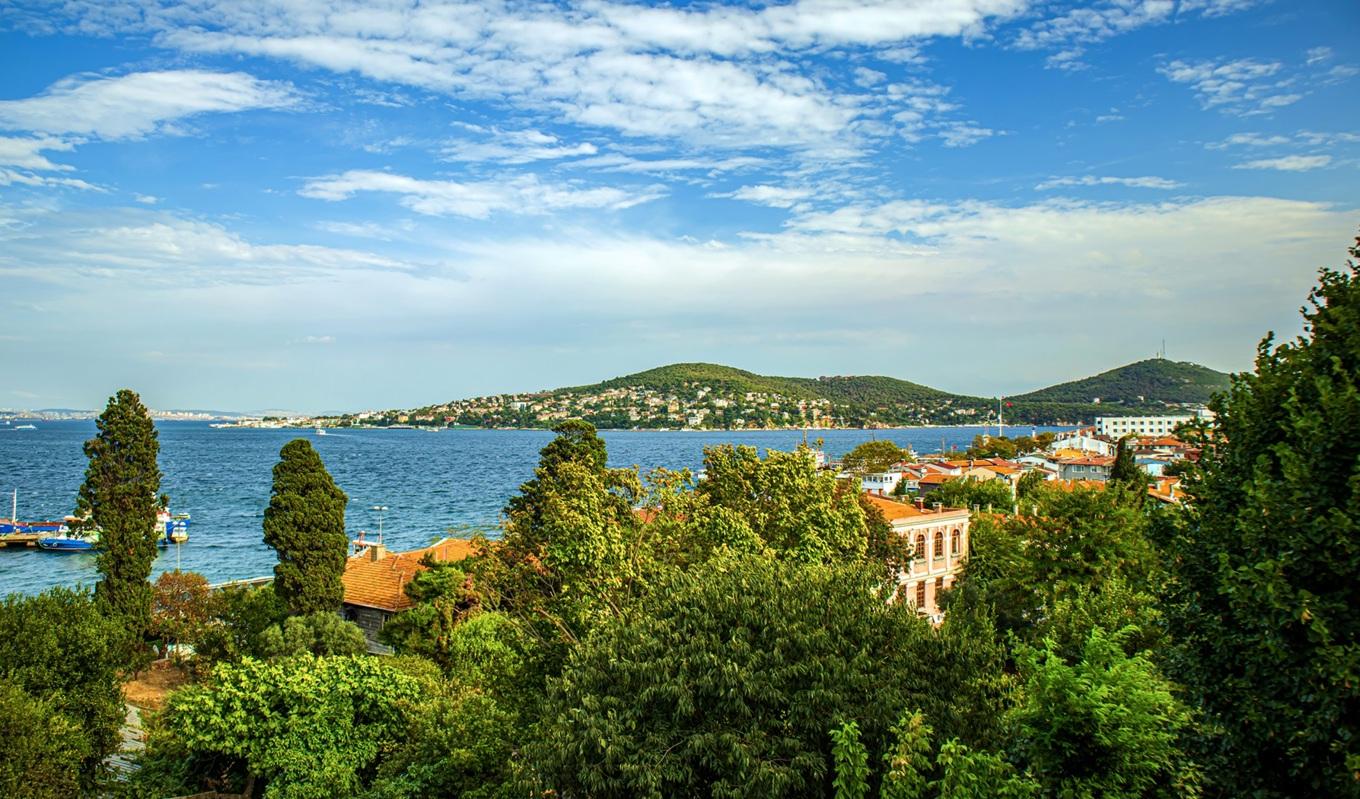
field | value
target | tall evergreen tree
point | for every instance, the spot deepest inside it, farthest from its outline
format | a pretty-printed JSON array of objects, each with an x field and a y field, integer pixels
[
  {"x": 1265, "y": 604},
  {"x": 1125, "y": 469},
  {"x": 305, "y": 524},
  {"x": 120, "y": 498}
]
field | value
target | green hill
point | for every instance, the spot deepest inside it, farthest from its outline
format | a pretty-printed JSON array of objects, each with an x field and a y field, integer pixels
[
  {"x": 1155, "y": 381},
  {"x": 713, "y": 396}
]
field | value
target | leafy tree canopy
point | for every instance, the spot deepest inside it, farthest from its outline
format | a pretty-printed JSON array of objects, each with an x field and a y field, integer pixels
[
  {"x": 1267, "y": 560},
  {"x": 873, "y": 456}
]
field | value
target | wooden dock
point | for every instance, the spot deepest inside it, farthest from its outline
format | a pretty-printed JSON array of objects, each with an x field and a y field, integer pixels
[{"x": 25, "y": 540}]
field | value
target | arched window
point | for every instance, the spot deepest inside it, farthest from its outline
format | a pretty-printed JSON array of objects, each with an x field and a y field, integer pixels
[
  {"x": 921, "y": 545},
  {"x": 954, "y": 541},
  {"x": 921, "y": 594},
  {"x": 939, "y": 544}
]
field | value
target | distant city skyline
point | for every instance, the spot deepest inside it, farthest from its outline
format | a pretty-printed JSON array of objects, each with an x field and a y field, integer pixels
[{"x": 337, "y": 206}]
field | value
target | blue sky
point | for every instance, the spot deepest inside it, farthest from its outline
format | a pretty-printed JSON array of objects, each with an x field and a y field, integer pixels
[{"x": 323, "y": 205}]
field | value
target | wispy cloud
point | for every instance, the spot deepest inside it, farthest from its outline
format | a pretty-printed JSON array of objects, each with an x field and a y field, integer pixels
[
  {"x": 773, "y": 196},
  {"x": 1145, "y": 182},
  {"x": 1244, "y": 87},
  {"x": 1288, "y": 163},
  {"x": 515, "y": 147},
  {"x": 26, "y": 152},
  {"x": 134, "y": 105},
  {"x": 523, "y": 194}
]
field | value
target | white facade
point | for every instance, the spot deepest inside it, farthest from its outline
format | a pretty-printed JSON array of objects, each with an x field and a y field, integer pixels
[
  {"x": 881, "y": 483},
  {"x": 1120, "y": 426},
  {"x": 1083, "y": 443}
]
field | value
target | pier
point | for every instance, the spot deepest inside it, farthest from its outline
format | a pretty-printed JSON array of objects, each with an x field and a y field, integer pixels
[{"x": 29, "y": 540}]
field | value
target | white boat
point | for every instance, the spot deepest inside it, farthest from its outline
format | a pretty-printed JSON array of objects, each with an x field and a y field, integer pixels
[
  {"x": 321, "y": 431},
  {"x": 25, "y": 427}
]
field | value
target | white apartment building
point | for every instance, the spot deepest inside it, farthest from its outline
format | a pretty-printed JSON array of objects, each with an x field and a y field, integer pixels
[{"x": 1117, "y": 427}]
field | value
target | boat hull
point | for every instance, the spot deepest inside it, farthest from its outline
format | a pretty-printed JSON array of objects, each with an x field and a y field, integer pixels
[{"x": 56, "y": 544}]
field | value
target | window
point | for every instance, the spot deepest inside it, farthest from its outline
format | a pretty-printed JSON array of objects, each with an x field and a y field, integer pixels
[
  {"x": 921, "y": 545},
  {"x": 954, "y": 541},
  {"x": 939, "y": 589},
  {"x": 939, "y": 544},
  {"x": 921, "y": 594}
]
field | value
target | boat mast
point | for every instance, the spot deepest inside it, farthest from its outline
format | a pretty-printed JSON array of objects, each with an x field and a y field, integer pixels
[{"x": 14, "y": 508}]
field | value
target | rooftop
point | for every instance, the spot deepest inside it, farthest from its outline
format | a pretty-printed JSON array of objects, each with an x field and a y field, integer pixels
[{"x": 377, "y": 578}]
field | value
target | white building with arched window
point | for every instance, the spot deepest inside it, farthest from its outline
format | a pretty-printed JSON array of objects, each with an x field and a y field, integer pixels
[{"x": 939, "y": 538}]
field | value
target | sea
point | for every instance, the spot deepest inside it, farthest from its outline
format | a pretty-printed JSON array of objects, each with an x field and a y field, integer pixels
[{"x": 413, "y": 485}]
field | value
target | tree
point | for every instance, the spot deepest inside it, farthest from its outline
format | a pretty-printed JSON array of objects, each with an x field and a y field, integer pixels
[
  {"x": 723, "y": 683},
  {"x": 1126, "y": 475},
  {"x": 240, "y": 615},
  {"x": 44, "y": 748},
  {"x": 305, "y": 524},
  {"x": 795, "y": 510},
  {"x": 59, "y": 649},
  {"x": 1106, "y": 725},
  {"x": 181, "y": 607},
  {"x": 320, "y": 633},
  {"x": 1267, "y": 559},
  {"x": 120, "y": 498},
  {"x": 310, "y": 728},
  {"x": 1030, "y": 481},
  {"x": 967, "y": 492},
  {"x": 1066, "y": 541},
  {"x": 873, "y": 456}
]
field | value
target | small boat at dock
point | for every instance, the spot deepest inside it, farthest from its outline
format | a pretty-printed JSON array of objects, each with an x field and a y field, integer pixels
[{"x": 66, "y": 543}]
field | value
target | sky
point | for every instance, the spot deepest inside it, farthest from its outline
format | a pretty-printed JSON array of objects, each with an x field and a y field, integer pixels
[{"x": 323, "y": 205}]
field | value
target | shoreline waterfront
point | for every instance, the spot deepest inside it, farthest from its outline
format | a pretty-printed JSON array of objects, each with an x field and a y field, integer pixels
[{"x": 456, "y": 481}]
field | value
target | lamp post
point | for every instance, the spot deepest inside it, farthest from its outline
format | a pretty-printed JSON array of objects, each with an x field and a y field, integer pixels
[{"x": 381, "y": 509}]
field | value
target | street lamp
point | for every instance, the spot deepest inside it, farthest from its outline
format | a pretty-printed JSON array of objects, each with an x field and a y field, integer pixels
[{"x": 381, "y": 509}]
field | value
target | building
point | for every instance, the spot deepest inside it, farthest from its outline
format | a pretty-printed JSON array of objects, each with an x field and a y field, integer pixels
[
  {"x": 939, "y": 538},
  {"x": 1093, "y": 467},
  {"x": 1081, "y": 442},
  {"x": 1116, "y": 427},
  {"x": 375, "y": 582}
]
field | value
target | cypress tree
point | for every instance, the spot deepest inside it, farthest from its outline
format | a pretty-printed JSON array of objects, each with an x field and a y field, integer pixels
[
  {"x": 120, "y": 498},
  {"x": 1125, "y": 469},
  {"x": 305, "y": 524},
  {"x": 1264, "y": 603}
]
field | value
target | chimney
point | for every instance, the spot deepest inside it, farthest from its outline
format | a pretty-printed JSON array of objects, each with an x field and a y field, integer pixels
[
  {"x": 377, "y": 552},
  {"x": 939, "y": 506},
  {"x": 920, "y": 503}
]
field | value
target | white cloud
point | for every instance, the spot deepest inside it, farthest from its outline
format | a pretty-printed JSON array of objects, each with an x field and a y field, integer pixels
[
  {"x": 1145, "y": 182},
  {"x": 1243, "y": 87},
  {"x": 524, "y": 194},
  {"x": 773, "y": 196},
  {"x": 1091, "y": 23},
  {"x": 1317, "y": 55},
  {"x": 1288, "y": 163},
  {"x": 134, "y": 105},
  {"x": 146, "y": 199},
  {"x": 710, "y": 76},
  {"x": 618, "y": 162},
  {"x": 317, "y": 340},
  {"x": 26, "y": 153},
  {"x": 11, "y": 177},
  {"x": 150, "y": 249},
  {"x": 515, "y": 147},
  {"x": 367, "y": 230}
]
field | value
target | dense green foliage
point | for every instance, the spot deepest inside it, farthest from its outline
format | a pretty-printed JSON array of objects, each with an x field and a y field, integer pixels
[
  {"x": 726, "y": 679},
  {"x": 305, "y": 524},
  {"x": 873, "y": 456},
  {"x": 968, "y": 492},
  {"x": 59, "y": 668},
  {"x": 120, "y": 498},
  {"x": 320, "y": 633},
  {"x": 1264, "y": 605},
  {"x": 181, "y": 607},
  {"x": 308, "y": 728}
]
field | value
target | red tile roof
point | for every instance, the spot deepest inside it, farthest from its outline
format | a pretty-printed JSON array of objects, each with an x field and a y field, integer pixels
[{"x": 382, "y": 583}]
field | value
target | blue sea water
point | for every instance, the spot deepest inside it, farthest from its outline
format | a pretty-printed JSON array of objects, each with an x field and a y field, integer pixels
[{"x": 430, "y": 483}]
